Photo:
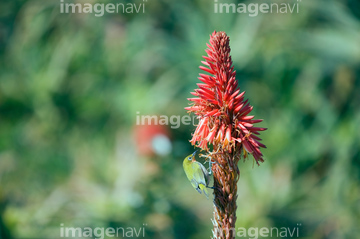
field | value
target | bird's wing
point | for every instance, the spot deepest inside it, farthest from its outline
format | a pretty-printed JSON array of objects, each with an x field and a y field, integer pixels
[
  {"x": 200, "y": 173},
  {"x": 206, "y": 173}
]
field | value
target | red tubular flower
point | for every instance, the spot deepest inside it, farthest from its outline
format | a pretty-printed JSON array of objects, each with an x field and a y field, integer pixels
[
  {"x": 225, "y": 124},
  {"x": 221, "y": 107}
]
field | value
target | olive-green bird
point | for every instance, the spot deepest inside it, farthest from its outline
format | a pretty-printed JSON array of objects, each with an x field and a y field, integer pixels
[{"x": 197, "y": 174}]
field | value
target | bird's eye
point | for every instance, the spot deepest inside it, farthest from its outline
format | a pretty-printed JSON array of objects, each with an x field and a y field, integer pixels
[{"x": 189, "y": 158}]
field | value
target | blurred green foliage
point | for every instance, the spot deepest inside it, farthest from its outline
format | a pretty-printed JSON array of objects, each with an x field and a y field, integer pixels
[{"x": 71, "y": 84}]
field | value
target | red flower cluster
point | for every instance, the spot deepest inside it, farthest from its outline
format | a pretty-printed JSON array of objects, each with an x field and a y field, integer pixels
[{"x": 221, "y": 109}]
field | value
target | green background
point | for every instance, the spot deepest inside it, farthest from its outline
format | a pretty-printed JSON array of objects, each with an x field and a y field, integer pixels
[{"x": 71, "y": 84}]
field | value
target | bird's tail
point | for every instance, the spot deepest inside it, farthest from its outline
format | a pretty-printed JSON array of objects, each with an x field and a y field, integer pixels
[{"x": 203, "y": 188}]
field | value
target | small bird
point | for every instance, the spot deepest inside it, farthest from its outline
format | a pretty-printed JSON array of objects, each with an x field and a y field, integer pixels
[{"x": 197, "y": 174}]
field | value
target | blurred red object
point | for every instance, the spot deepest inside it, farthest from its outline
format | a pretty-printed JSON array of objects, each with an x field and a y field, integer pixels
[{"x": 152, "y": 140}]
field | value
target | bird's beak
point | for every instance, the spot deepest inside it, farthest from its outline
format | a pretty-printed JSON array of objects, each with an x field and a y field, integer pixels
[{"x": 193, "y": 155}]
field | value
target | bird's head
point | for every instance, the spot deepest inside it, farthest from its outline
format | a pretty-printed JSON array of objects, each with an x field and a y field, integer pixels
[{"x": 191, "y": 157}]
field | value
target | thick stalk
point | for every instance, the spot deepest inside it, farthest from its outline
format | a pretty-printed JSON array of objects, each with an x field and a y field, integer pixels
[{"x": 226, "y": 176}]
